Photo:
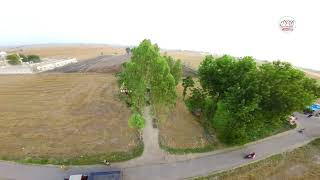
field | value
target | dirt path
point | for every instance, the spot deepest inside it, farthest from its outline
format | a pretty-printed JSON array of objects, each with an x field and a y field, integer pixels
[{"x": 152, "y": 151}]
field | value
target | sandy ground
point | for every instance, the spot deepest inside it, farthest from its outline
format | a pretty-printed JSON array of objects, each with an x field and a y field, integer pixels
[
  {"x": 62, "y": 115},
  {"x": 190, "y": 58},
  {"x": 81, "y": 52}
]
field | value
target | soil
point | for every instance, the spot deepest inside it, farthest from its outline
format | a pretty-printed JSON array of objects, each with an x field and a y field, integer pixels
[{"x": 60, "y": 115}]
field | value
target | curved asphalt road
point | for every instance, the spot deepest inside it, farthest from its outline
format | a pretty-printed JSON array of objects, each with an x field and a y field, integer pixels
[{"x": 209, "y": 163}]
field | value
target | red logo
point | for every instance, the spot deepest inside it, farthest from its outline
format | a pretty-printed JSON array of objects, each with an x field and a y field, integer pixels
[{"x": 287, "y": 24}]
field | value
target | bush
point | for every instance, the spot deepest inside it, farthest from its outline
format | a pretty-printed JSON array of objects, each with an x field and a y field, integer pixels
[
  {"x": 23, "y": 58},
  {"x": 221, "y": 119},
  {"x": 136, "y": 121},
  {"x": 13, "y": 59},
  {"x": 197, "y": 99},
  {"x": 34, "y": 58},
  {"x": 235, "y": 134},
  {"x": 307, "y": 110},
  {"x": 209, "y": 107}
]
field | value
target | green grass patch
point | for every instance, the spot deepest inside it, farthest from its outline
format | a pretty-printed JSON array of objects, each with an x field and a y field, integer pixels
[
  {"x": 271, "y": 160},
  {"x": 171, "y": 150},
  {"x": 276, "y": 164},
  {"x": 83, "y": 160}
]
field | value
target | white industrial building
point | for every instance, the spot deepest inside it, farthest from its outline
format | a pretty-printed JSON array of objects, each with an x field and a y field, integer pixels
[
  {"x": 46, "y": 64},
  {"x": 49, "y": 64},
  {"x": 3, "y": 55}
]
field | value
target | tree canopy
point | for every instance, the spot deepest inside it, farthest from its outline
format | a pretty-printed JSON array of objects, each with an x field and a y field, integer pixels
[
  {"x": 257, "y": 99},
  {"x": 149, "y": 70},
  {"x": 136, "y": 121},
  {"x": 33, "y": 58},
  {"x": 175, "y": 68},
  {"x": 13, "y": 59},
  {"x": 186, "y": 83}
]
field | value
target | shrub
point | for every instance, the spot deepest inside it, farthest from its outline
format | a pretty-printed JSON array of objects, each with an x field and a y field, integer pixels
[
  {"x": 13, "y": 59},
  {"x": 221, "y": 119},
  {"x": 197, "y": 99},
  {"x": 209, "y": 107},
  {"x": 23, "y": 58},
  {"x": 34, "y": 58},
  {"x": 136, "y": 121}
]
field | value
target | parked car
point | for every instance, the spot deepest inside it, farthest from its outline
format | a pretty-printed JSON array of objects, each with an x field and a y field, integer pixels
[
  {"x": 77, "y": 177},
  {"x": 108, "y": 175}
]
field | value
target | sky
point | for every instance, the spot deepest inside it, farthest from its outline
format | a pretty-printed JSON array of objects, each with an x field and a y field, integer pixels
[{"x": 238, "y": 28}]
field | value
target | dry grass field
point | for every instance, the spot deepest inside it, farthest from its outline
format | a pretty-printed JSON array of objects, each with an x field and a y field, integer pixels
[
  {"x": 62, "y": 116},
  {"x": 181, "y": 129},
  {"x": 192, "y": 59},
  {"x": 300, "y": 164},
  {"x": 81, "y": 52}
]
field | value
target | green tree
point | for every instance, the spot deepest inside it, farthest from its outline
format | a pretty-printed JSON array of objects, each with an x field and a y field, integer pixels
[
  {"x": 136, "y": 121},
  {"x": 13, "y": 59},
  {"x": 218, "y": 74},
  {"x": 33, "y": 58},
  {"x": 23, "y": 58},
  {"x": 148, "y": 70},
  {"x": 162, "y": 84},
  {"x": 186, "y": 83},
  {"x": 197, "y": 99},
  {"x": 175, "y": 68},
  {"x": 285, "y": 89},
  {"x": 257, "y": 100}
]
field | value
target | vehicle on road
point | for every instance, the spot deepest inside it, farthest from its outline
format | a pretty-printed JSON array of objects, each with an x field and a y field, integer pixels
[
  {"x": 108, "y": 175},
  {"x": 301, "y": 130},
  {"x": 250, "y": 156}
]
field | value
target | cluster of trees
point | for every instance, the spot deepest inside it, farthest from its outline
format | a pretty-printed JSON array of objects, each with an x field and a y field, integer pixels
[
  {"x": 15, "y": 59},
  {"x": 244, "y": 102},
  {"x": 148, "y": 75},
  {"x": 30, "y": 58}
]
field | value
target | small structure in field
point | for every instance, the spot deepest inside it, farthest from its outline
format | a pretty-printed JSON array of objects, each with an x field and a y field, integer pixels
[
  {"x": 3, "y": 56},
  {"x": 124, "y": 90}
]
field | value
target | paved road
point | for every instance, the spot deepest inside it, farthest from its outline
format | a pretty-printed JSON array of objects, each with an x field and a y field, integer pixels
[
  {"x": 104, "y": 64},
  {"x": 101, "y": 64},
  {"x": 208, "y": 163}
]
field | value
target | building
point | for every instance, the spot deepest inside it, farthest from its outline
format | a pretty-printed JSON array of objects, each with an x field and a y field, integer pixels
[
  {"x": 49, "y": 64},
  {"x": 3, "y": 56}
]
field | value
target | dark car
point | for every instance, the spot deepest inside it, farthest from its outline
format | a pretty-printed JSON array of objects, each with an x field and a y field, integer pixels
[{"x": 108, "y": 175}]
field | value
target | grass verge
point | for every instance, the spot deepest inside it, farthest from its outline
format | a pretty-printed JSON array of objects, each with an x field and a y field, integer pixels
[
  {"x": 82, "y": 160},
  {"x": 172, "y": 150},
  {"x": 301, "y": 163}
]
